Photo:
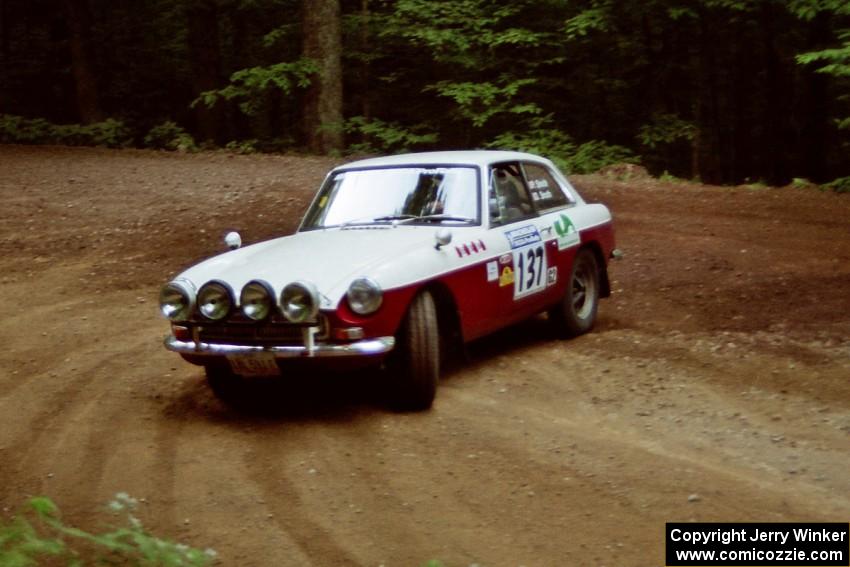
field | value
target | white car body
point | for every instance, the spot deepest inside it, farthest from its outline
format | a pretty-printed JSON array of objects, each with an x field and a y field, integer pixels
[{"x": 485, "y": 269}]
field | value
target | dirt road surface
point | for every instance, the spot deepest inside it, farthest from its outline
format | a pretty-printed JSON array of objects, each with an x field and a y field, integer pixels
[{"x": 716, "y": 386}]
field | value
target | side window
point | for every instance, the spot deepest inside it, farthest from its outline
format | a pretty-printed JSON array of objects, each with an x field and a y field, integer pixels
[
  {"x": 545, "y": 191},
  {"x": 509, "y": 200}
]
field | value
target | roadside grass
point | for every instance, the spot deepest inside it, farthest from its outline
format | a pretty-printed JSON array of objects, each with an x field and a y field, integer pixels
[{"x": 38, "y": 536}]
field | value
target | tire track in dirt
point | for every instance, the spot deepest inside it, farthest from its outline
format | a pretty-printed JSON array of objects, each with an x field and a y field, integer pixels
[
  {"x": 272, "y": 470},
  {"x": 75, "y": 434}
]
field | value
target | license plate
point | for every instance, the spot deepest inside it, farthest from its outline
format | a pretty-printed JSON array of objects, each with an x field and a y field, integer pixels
[{"x": 260, "y": 364}]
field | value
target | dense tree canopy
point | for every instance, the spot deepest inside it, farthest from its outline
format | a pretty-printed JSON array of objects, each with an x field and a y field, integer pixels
[{"x": 724, "y": 90}]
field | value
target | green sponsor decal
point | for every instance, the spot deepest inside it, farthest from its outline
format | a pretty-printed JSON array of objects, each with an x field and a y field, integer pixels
[
  {"x": 564, "y": 226},
  {"x": 567, "y": 233}
]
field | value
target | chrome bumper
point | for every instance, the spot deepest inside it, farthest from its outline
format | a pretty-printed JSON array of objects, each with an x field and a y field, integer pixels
[{"x": 366, "y": 347}]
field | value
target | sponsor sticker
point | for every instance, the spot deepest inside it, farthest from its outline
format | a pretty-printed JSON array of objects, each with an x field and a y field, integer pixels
[
  {"x": 552, "y": 276},
  {"x": 523, "y": 236},
  {"x": 507, "y": 277},
  {"x": 505, "y": 259},
  {"x": 539, "y": 189},
  {"x": 567, "y": 233},
  {"x": 492, "y": 271}
]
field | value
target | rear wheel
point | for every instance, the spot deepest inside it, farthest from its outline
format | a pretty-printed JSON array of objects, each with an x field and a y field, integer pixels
[
  {"x": 415, "y": 368},
  {"x": 576, "y": 313}
]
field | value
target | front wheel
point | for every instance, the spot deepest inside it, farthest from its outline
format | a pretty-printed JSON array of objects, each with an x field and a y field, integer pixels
[
  {"x": 415, "y": 367},
  {"x": 227, "y": 386},
  {"x": 576, "y": 313}
]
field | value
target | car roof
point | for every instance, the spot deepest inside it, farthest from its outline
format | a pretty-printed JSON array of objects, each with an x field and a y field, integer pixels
[{"x": 468, "y": 157}]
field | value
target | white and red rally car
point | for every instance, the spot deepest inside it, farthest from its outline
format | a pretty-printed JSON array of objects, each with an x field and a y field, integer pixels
[{"x": 397, "y": 258}]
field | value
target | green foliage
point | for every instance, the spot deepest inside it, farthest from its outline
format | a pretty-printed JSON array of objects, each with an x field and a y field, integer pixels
[
  {"x": 647, "y": 74},
  {"x": 808, "y": 9},
  {"x": 249, "y": 85},
  {"x": 242, "y": 146},
  {"x": 29, "y": 539},
  {"x": 668, "y": 177},
  {"x": 460, "y": 32},
  {"x": 548, "y": 141},
  {"x": 802, "y": 183},
  {"x": 597, "y": 18},
  {"x": 170, "y": 136},
  {"x": 665, "y": 129},
  {"x": 19, "y": 130},
  {"x": 480, "y": 102},
  {"x": 468, "y": 43},
  {"x": 110, "y": 133},
  {"x": 594, "y": 155},
  {"x": 840, "y": 185},
  {"x": 835, "y": 61},
  {"x": 385, "y": 137},
  {"x": 756, "y": 185}
]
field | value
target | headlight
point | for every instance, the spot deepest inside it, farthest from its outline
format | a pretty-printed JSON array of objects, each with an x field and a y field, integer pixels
[
  {"x": 256, "y": 300},
  {"x": 364, "y": 296},
  {"x": 299, "y": 302},
  {"x": 215, "y": 300},
  {"x": 177, "y": 299}
]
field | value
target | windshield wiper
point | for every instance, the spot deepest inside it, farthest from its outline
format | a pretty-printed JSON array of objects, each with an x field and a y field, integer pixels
[
  {"x": 395, "y": 217},
  {"x": 361, "y": 220},
  {"x": 385, "y": 218},
  {"x": 444, "y": 217},
  {"x": 408, "y": 218}
]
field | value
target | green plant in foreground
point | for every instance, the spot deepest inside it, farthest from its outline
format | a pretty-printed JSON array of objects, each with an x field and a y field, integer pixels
[{"x": 29, "y": 540}]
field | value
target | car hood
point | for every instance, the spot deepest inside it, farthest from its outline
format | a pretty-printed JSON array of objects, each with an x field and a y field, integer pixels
[{"x": 330, "y": 259}]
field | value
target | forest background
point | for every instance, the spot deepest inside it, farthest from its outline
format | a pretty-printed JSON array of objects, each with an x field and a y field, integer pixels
[{"x": 725, "y": 91}]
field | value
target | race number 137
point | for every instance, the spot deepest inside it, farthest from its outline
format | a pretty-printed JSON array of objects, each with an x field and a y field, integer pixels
[{"x": 529, "y": 270}]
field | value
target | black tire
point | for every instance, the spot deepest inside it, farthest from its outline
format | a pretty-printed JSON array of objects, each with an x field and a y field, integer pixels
[
  {"x": 576, "y": 313},
  {"x": 415, "y": 368},
  {"x": 227, "y": 386}
]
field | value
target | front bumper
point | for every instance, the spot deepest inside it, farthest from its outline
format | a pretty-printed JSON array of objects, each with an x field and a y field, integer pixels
[{"x": 367, "y": 347}]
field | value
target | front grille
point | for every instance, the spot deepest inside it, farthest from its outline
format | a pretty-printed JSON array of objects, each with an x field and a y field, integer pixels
[{"x": 264, "y": 334}]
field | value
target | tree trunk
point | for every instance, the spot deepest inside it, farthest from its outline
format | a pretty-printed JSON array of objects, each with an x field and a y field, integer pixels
[
  {"x": 774, "y": 115},
  {"x": 366, "y": 74},
  {"x": 4, "y": 51},
  {"x": 323, "y": 106},
  {"x": 85, "y": 81},
  {"x": 709, "y": 148},
  {"x": 205, "y": 56}
]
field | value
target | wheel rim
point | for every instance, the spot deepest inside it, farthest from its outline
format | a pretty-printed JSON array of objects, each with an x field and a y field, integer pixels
[{"x": 583, "y": 290}]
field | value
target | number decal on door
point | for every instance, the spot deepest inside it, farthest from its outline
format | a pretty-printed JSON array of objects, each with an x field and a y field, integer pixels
[{"x": 529, "y": 270}]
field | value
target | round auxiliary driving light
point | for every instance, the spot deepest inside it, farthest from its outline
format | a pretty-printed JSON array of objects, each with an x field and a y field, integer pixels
[
  {"x": 365, "y": 296},
  {"x": 214, "y": 300},
  {"x": 257, "y": 300},
  {"x": 176, "y": 300},
  {"x": 299, "y": 302}
]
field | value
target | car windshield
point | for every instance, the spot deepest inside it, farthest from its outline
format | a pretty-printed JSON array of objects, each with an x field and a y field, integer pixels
[{"x": 408, "y": 195}]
